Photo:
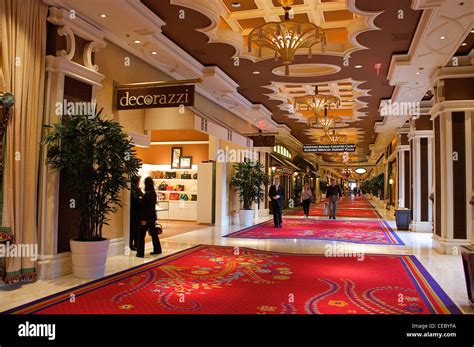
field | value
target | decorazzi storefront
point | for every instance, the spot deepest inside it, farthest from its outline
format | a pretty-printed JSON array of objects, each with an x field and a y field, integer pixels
[{"x": 179, "y": 145}]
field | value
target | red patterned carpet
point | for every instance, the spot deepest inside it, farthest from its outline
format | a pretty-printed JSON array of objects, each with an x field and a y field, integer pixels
[
  {"x": 354, "y": 204},
  {"x": 376, "y": 232},
  {"x": 318, "y": 211},
  {"x": 214, "y": 279}
]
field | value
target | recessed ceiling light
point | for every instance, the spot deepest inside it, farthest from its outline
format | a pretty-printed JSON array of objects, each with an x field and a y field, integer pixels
[
  {"x": 236, "y": 4},
  {"x": 464, "y": 44},
  {"x": 442, "y": 37},
  {"x": 360, "y": 170},
  {"x": 472, "y": 31},
  {"x": 417, "y": 73},
  {"x": 137, "y": 41},
  {"x": 103, "y": 15},
  {"x": 154, "y": 52},
  {"x": 358, "y": 66},
  {"x": 256, "y": 72}
]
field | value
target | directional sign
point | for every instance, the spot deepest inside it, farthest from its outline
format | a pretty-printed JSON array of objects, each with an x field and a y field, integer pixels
[{"x": 334, "y": 147}]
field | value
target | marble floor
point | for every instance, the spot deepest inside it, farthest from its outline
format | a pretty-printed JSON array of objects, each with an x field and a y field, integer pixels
[{"x": 446, "y": 269}]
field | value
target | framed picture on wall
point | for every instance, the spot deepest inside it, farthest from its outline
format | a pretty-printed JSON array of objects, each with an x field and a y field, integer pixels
[
  {"x": 176, "y": 153},
  {"x": 186, "y": 162}
]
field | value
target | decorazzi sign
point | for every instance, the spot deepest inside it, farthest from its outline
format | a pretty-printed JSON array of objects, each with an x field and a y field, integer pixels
[{"x": 154, "y": 97}]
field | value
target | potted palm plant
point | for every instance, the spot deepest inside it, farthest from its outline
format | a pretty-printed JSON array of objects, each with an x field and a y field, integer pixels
[
  {"x": 249, "y": 179},
  {"x": 98, "y": 160}
]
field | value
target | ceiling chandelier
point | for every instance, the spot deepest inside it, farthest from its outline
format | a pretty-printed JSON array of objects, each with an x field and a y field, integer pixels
[
  {"x": 317, "y": 103},
  {"x": 326, "y": 123},
  {"x": 347, "y": 171},
  {"x": 286, "y": 37},
  {"x": 334, "y": 138}
]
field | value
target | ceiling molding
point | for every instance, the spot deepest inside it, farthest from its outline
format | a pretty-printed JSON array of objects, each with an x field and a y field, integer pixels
[
  {"x": 413, "y": 74},
  {"x": 218, "y": 87}
]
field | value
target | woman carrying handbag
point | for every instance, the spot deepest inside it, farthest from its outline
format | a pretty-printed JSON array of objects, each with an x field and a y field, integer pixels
[
  {"x": 148, "y": 220},
  {"x": 306, "y": 196}
]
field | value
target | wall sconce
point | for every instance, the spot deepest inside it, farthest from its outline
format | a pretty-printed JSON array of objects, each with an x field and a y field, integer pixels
[
  {"x": 273, "y": 168},
  {"x": 390, "y": 181}
]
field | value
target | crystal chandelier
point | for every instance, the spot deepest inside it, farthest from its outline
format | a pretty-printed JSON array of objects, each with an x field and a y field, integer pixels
[
  {"x": 334, "y": 138},
  {"x": 286, "y": 37}
]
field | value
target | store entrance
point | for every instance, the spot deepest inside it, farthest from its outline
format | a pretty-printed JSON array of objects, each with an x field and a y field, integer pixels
[{"x": 172, "y": 160}]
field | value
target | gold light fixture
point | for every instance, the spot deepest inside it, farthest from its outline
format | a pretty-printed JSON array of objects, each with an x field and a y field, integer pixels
[
  {"x": 317, "y": 103},
  {"x": 286, "y": 37},
  {"x": 334, "y": 138}
]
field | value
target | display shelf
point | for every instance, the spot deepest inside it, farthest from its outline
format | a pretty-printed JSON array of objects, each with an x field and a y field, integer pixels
[
  {"x": 177, "y": 200},
  {"x": 178, "y": 191},
  {"x": 174, "y": 179}
]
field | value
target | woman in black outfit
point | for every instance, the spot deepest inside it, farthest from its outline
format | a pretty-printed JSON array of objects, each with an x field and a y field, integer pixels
[
  {"x": 147, "y": 218},
  {"x": 136, "y": 200}
]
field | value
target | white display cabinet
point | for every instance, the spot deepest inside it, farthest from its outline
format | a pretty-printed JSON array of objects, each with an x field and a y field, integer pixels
[{"x": 185, "y": 210}]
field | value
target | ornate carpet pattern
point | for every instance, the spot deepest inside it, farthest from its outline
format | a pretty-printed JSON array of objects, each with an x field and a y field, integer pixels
[
  {"x": 357, "y": 231},
  {"x": 217, "y": 279},
  {"x": 318, "y": 211}
]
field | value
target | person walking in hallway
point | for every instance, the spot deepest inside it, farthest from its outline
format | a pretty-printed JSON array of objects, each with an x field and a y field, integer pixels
[
  {"x": 276, "y": 195},
  {"x": 333, "y": 194},
  {"x": 135, "y": 201},
  {"x": 306, "y": 196},
  {"x": 147, "y": 219}
]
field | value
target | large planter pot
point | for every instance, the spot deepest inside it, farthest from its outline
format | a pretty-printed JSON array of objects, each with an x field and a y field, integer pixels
[
  {"x": 403, "y": 219},
  {"x": 246, "y": 217},
  {"x": 88, "y": 258}
]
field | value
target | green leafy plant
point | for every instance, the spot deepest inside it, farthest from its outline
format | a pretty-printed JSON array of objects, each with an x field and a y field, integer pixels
[
  {"x": 249, "y": 179},
  {"x": 98, "y": 160},
  {"x": 323, "y": 186},
  {"x": 379, "y": 186},
  {"x": 375, "y": 186}
]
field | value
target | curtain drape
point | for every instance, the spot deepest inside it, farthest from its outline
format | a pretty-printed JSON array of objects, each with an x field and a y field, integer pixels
[{"x": 23, "y": 34}]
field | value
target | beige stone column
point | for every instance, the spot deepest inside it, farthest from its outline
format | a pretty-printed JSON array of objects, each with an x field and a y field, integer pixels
[
  {"x": 452, "y": 115},
  {"x": 51, "y": 263}
]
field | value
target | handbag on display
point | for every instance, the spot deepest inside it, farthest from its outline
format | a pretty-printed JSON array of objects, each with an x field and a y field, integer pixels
[
  {"x": 184, "y": 197},
  {"x": 157, "y": 174},
  {"x": 194, "y": 197},
  {"x": 186, "y": 176},
  {"x": 161, "y": 196},
  {"x": 178, "y": 188},
  {"x": 195, "y": 176},
  {"x": 162, "y": 186},
  {"x": 169, "y": 188},
  {"x": 170, "y": 175},
  {"x": 174, "y": 196}
]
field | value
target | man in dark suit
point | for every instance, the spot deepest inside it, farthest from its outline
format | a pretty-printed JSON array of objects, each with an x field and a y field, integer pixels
[
  {"x": 277, "y": 195},
  {"x": 333, "y": 194}
]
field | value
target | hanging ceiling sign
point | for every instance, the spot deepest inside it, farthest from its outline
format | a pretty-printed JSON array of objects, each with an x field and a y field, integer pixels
[
  {"x": 154, "y": 97},
  {"x": 283, "y": 170},
  {"x": 262, "y": 141},
  {"x": 333, "y": 147}
]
